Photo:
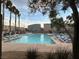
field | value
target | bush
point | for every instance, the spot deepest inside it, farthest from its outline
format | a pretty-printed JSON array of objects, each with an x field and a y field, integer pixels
[
  {"x": 51, "y": 56},
  {"x": 60, "y": 54},
  {"x": 32, "y": 54}
]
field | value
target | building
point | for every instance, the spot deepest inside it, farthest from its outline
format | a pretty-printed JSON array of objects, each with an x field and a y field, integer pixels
[
  {"x": 47, "y": 28},
  {"x": 34, "y": 28}
]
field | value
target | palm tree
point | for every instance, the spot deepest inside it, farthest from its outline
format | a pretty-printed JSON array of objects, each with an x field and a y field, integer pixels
[
  {"x": 0, "y": 28},
  {"x": 3, "y": 7},
  {"x": 11, "y": 11},
  {"x": 3, "y": 13},
  {"x": 9, "y": 6},
  {"x": 19, "y": 20},
  {"x": 16, "y": 12}
]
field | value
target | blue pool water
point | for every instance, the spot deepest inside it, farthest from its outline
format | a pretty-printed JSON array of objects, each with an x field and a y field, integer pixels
[{"x": 34, "y": 39}]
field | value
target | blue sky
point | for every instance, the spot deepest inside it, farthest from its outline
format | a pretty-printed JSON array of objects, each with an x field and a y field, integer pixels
[{"x": 27, "y": 19}]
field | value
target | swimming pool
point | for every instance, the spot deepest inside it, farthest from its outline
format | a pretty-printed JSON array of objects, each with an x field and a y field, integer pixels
[{"x": 34, "y": 39}]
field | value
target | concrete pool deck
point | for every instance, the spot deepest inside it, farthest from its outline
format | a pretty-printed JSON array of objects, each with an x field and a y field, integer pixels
[{"x": 12, "y": 50}]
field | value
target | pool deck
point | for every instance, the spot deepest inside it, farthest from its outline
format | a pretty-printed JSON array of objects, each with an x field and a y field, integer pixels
[{"x": 11, "y": 47}]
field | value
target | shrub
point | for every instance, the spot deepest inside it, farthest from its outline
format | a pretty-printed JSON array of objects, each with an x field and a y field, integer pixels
[
  {"x": 32, "y": 54},
  {"x": 51, "y": 56},
  {"x": 60, "y": 54}
]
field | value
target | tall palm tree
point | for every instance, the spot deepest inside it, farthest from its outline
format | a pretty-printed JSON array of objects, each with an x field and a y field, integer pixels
[
  {"x": 11, "y": 11},
  {"x": 3, "y": 13},
  {"x": 9, "y": 6},
  {"x": 0, "y": 29},
  {"x": 19, "y": 20},
  {"x": 16, "y": 12}
]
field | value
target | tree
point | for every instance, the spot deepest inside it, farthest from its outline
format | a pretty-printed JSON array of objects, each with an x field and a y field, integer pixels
[
  {"x": 19, "y": 20},
  {"x": 3, "y": 2},
  {"x": 70, "y": 20},
  {"x": 49, "y": 5},
  {"x": 16, "y": 12},
  {"x": 0, "y": 29},
  {"x": 59, "y": 23},
  {"x": 55, "y": 23},
  {"x": 9, "y": 6},
  {"x": 3, "y": 12}
]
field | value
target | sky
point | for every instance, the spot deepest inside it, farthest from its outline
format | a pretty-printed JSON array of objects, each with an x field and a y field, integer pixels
[{"x": 27, "y": 18}]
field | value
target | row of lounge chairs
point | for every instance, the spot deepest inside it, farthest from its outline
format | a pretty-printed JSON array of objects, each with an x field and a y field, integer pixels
[
  {"x": 11, "y": 37},
  {"x": 64, "y": 37}
]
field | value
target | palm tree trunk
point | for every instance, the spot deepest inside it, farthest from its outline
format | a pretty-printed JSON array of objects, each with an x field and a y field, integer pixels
[
  {"x": 76, "y": 28},
  {"x": 0, "y": 33},
  {"x": 10, "y": 23},
  {"x": 0, "y": 30},
  {"x": 15, "y": 23},
  {"x": 3, "y": 14},
  {"x": 19, "y": 23}
]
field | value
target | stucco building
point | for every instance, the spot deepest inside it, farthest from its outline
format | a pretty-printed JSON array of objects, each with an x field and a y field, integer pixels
[
  {"x": 47, "y": 28},
  {"x": 34, "y": 28}
]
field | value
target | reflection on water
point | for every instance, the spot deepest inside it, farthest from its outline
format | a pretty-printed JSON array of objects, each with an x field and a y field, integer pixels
[{"x": 42, "y": 38}]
